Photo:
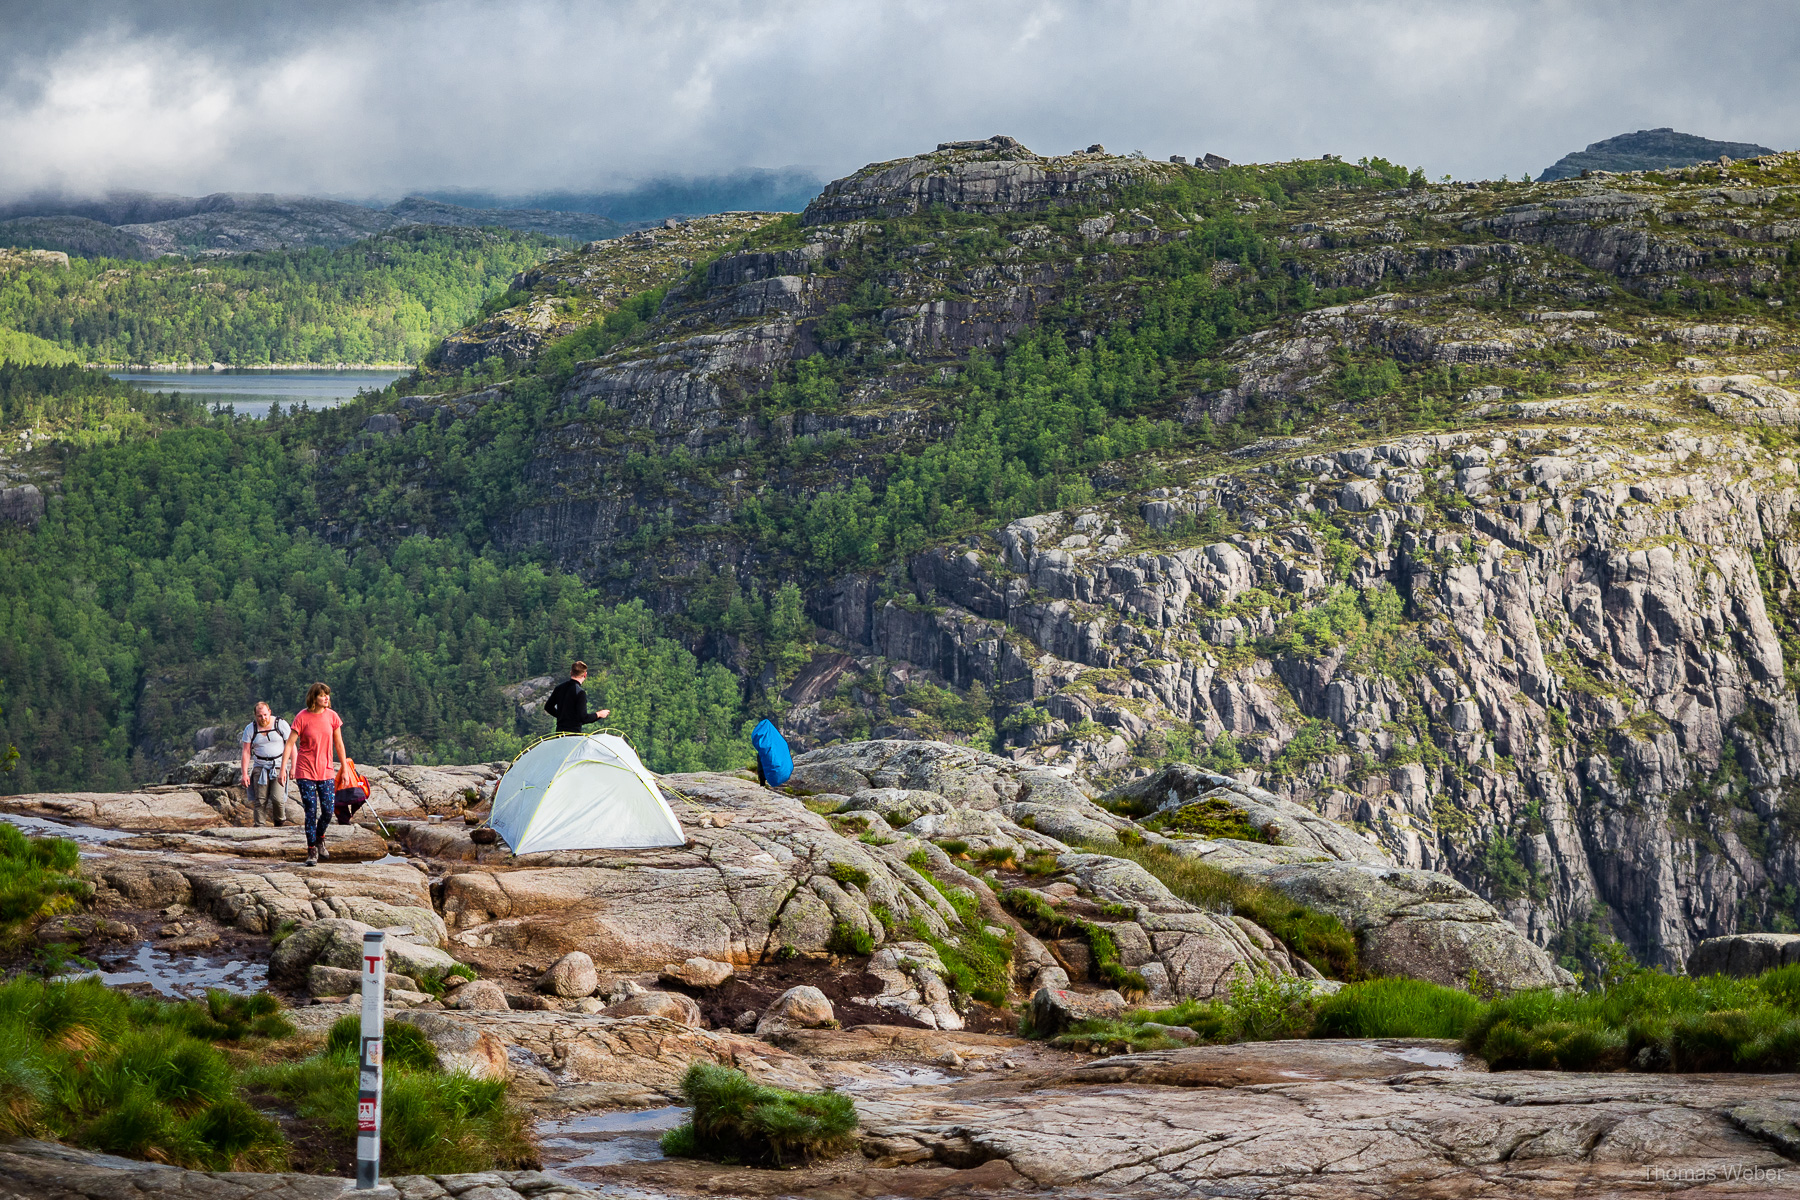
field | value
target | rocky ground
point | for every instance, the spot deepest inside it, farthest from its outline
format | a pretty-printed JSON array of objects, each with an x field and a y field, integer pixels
[
  {"x": 604, "y": 975},
  {"x": 1280, "y": 1119}
]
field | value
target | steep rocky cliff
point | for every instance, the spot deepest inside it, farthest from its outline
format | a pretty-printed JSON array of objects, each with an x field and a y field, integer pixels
[{"x": 1462, "y": 514}]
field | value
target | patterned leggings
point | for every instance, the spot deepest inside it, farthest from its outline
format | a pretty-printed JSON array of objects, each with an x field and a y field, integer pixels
[{"x": 318, "y": 795}]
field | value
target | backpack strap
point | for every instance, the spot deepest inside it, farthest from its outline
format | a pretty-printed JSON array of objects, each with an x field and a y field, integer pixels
[{"x": 281, "y": 729}]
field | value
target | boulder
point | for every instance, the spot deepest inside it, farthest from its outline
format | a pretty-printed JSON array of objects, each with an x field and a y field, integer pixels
[
  {"x": 1744, "y": 954},
  {"x": 390, "y": 896},
  {"x": 81, "y": 928},
  {"x": 339, "y": 943},
  {"x": 698, "y": 972},
  {"x": 1054, "y": 1009},
  {"x": 1418, "y": 924},
  {"x": 898, "y": 806},
  {"x": 168, "y": 809},
  {"x": 136, "y": 883},
  {"x": 572, "y": 976},
  {"x": 479, "y": 995},
  {"x": 322, "y": 980},
  {"x": 669, "y": 1006},
  {"x": 797, "y": 1008},
  {"x": 22, "y": 505},
  {"x": 460, "y": 1046}
]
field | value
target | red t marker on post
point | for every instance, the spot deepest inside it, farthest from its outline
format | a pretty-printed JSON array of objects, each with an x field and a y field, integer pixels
[{"x": 368, "y": 1093}]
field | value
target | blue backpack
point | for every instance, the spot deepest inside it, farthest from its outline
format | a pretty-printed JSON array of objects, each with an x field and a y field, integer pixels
[{"x": 772, "y": 753}]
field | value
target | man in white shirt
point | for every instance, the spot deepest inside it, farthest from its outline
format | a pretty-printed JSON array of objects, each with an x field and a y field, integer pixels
[{"x": 265, "y": 742}]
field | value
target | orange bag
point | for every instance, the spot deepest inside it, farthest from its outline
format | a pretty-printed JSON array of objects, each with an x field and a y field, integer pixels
[{"x": 352, "y": 792}]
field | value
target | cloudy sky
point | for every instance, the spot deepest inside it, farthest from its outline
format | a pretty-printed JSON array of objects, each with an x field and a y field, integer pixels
[{"x": 367, "y": 98}]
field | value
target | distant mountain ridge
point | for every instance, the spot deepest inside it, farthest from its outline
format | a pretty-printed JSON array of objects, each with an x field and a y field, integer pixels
[
  {"x": 788, "y": 189},
  {"x": 145, "y": 225},
  {"x": 1647, "y": 150}
]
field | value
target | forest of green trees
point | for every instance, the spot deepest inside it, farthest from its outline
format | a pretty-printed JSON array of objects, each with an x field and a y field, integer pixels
[
  {"x": 386, "y": 299},
  {"x": 171, "y": 582}
]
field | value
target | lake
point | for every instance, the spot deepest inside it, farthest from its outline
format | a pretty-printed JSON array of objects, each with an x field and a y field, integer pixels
[{"x": 250, "y": 392}]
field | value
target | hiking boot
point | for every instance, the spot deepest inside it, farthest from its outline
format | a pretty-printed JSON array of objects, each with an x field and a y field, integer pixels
[
  {"x": 312, "y": 856},
  {"x": 320, "y": 851}
]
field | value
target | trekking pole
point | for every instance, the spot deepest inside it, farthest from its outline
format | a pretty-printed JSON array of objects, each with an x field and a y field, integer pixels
[{"x": 368, "y": 1095}]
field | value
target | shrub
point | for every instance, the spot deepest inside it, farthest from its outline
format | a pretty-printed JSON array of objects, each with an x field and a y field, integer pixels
[
  {"x": 736, "y": 1120},
  {"x": 1264, "y": 1007},
  {"x": 1690, "y": 1024},
  {"x": 1395, "y": 1008},
  {"x": 1259, "y": 1007}
]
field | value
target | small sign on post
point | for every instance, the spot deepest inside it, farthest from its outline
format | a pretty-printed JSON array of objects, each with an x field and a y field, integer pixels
[{"x": 368, "y": 1092}]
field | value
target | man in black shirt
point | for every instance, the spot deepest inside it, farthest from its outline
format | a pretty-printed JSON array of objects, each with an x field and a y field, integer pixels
[{"x": 569, "y": 703}]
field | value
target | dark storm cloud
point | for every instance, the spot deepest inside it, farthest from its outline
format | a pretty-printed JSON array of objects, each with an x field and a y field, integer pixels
[{"x": 367, "y": 99}]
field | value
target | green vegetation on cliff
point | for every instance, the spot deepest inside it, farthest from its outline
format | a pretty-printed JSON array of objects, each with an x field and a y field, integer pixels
[{"x": 386, "y": 299}]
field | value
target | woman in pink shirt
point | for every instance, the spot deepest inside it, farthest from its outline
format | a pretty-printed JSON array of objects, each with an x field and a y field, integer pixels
[{"x": 315, "y": 743}]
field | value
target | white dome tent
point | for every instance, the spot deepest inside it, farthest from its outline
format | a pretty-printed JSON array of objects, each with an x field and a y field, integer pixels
[{"x": 581, "y": 792}]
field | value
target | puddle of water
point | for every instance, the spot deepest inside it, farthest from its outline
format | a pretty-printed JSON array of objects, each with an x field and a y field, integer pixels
[
  {"x": 632, "y": 1120},
  {"x": 44, "y": 827},
  {"x": 184, "y": 978},
  {"x": 882, "y": 1076},
  {"x": 1447, "y": 1059},
  {"x": 597, "y": 1139}
]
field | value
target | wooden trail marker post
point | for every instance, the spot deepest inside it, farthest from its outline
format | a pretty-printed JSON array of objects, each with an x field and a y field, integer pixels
[{"x": 368, "y": 1095}]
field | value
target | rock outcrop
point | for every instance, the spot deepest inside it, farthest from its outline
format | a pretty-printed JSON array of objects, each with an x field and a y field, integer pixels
[{"x": 1744, "y": 954}]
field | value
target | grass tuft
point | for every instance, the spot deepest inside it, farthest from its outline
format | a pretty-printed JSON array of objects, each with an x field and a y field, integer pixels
[
  {"x": 845, "y": 873},
  {"x": 738, "y": 1121},
  {"x": 1395, "y": 1008},
  {"x": 39, "y": 877},
  {"x": 850, "y": 941}
]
